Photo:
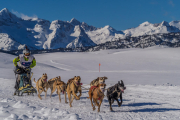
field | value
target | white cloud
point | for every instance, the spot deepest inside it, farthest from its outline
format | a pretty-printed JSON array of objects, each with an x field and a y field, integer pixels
[
  {"x": 171, "y": 3},
  {"x": 23, "y": 16}
]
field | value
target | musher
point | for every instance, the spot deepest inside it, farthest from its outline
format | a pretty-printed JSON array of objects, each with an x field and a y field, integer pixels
[{"x": 26, "y": 62}]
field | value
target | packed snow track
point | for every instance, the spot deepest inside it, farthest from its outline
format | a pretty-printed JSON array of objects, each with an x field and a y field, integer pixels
[{"x": 151, "y": 77}]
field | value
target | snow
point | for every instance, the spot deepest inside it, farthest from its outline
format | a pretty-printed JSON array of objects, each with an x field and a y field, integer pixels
[
  {"x": 147, "y": 28},
  {"x": 6, "y": 43},
  {"x": 38, "y": 33},
  {"x": 41, "y": 34},
  {"x": 175, "y": 24},
  {"x": 104, "y": 34},
  {"x": 75, "y": 22},
  {"x": 151, "y": 77}
]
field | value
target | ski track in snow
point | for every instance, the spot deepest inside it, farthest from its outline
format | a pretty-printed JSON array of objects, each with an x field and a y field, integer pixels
[
  {"x": 159, "y": 101},
  {"x": 57, "y": 67},
  {"x": 59, "y": 63},
  {"x": 143, "y": 71}
]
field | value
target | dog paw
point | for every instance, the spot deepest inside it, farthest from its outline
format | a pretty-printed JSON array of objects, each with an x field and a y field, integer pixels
[
  {"x": 119, "y": 104},
  {"x": 94, "y": 108},
  {"x": 40, "y": 98},
  {"x": 78, "y": 98}
]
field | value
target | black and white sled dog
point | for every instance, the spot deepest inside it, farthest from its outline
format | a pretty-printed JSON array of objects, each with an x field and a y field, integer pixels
[{"x": 115, "y": 92}]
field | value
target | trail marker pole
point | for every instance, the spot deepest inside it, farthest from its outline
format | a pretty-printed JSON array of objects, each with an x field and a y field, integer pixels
[{"x": 99, "y": 67}]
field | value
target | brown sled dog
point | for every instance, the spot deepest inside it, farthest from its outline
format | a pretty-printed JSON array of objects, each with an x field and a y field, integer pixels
[
  {"x": 51, "y": 82},
  {"x": 61, "y": 87},
  {"x": 96, "y": 93},
  {"x": 98, "y": 81},
  {"x": 41, "y": 85},
  {"x": 73, "y": 87}
]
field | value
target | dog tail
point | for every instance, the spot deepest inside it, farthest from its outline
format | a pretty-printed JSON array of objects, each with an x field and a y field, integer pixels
[
  {"x": 54, "y": 86},
  {"x": 34, "y": 80}
]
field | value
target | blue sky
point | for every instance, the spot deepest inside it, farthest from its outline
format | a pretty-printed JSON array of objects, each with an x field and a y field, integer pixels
[{"x": 120, "y": 14}]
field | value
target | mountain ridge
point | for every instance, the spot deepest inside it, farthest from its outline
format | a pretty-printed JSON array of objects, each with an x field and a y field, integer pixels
[{"x": 43, "y": 34}]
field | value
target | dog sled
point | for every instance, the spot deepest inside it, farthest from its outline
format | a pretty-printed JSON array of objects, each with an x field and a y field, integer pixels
[{"x": 23, "y": 82}]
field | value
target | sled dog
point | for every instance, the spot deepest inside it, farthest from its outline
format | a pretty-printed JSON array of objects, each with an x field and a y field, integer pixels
[
  {"x": 41, "y": 85},
  {"x": 98, "y": 81},
  {"x": 51, "y": 82},
  {"x": 96, "y": 95},
  {"x": 115, "y": 92},
  {"x": 61, "y": 87},
  {"x": 73, "y": 87}
]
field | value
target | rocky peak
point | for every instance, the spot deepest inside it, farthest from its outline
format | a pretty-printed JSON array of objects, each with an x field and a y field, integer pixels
[{"x": 75, "y": 22}]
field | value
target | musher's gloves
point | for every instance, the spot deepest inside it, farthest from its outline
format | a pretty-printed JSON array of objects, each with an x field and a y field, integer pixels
[
  {"x": 23, "y": 67},
  {"x": 17, "y": 66}
]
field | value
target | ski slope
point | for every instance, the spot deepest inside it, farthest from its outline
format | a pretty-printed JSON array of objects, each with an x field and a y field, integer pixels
[{"x": 151, "y": 76}]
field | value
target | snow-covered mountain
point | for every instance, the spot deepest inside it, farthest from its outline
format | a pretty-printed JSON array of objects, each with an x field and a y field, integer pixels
[
  {"x": 7, "y": 43},
  {"x": 147, "y": 28},
  {"x": 104, "y": 34},
  {"x": 32, "y": 32},
  {"x": 67, "y": 34},
  {"x": 38, "y": 33},
  {"x": 145, "y": 41},
  {"x": 175, "y": 24},
  {"x": 42, "y": 34}
]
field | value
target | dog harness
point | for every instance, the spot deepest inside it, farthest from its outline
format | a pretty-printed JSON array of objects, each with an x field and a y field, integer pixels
[{"x": 93, "y": 88}]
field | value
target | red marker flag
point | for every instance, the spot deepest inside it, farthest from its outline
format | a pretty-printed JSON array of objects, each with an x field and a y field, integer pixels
[{"x": 99, "y": 67}]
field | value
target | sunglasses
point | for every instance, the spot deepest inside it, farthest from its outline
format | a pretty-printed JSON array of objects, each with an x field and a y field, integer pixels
[{"x": 27, "y": 54}]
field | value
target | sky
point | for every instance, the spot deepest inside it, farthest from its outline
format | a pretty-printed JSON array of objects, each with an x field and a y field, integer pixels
[{"x": 119, "y": 14}]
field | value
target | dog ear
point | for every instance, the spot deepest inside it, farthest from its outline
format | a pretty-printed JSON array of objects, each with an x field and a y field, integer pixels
[
  {"x": 122, "y": 82},
  {"x": 74, "y": 76},
  {"x": 119, "y": 82},
  {"x": 43, "y": 73}
]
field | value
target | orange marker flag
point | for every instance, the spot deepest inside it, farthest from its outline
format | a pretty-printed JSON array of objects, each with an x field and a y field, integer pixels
[{"x": 99, "y": 67}]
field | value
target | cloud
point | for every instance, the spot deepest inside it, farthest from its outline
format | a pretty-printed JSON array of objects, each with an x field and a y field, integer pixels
[
  {"x": 171, "y": 3},
  {"x": 23, "y": 16}
]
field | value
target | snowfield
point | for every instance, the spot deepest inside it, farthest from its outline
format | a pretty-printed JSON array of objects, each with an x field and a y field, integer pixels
[{"x": 151, "y": 76}]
